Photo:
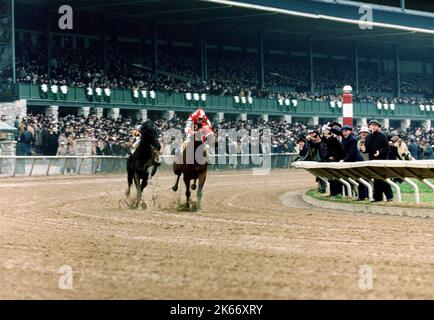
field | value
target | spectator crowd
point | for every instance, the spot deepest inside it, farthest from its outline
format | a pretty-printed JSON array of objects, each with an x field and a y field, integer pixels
[
  {"x": 336, "y": 143},
  {"x": 41, "y": 135},
  {"x": 228, "y": 74}
]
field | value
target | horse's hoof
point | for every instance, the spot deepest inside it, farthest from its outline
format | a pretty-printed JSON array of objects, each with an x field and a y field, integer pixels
[
  {"x": 144, "y": 205},
  {"x": 195, "y": 206},
  {"x": 175, "y": 188},
  {"x": 193, "y": 187}
]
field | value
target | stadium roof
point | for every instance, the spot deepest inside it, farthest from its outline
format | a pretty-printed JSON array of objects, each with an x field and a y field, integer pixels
[{"x": 327, "y": 22}]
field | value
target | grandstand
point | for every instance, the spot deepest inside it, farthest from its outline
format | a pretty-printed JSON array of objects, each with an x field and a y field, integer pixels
[{"x": 240, "y": 60}]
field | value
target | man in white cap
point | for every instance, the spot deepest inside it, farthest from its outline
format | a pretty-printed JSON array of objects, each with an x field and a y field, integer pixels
[{"x": 363, "y": 133}]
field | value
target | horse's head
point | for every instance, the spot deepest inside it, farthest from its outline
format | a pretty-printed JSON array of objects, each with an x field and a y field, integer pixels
[{"x": 149, "y": 136}]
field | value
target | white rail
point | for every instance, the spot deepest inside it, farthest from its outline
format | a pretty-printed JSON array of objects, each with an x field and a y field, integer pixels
[
  {"x": 385, "y": 170},
  {"x": 11, "y": 166}
]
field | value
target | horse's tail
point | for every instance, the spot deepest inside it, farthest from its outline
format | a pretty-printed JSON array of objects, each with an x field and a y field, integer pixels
[{"x": 130, "y": 173}]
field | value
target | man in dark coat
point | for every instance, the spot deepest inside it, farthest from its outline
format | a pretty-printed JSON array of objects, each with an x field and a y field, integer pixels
[
  {"x": 51, "y": 143},
  {"x": 318, "y": 151},
  {"x": 352, "y": 154},
  {"x": 26, "y": 138},
  {"x": 335, "y": 154},
  {"x": 377, "y": 147},
  {"x": 414, "y": 149},
  {"x": 303, "y": 149},
  {"x": 349, "y": 142}
]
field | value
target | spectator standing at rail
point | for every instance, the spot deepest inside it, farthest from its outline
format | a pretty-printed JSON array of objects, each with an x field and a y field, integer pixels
[
  {"x": 17, "y": 122},
  {"x": 414, "y": 149},
  {"x": 61, "y": 150},
  {"x": 72, "y": 163},
  {"x": 302, "y": 149},
  {"x": 377, "y": 147},
  {"x": 51, "y": 143},
  {"x": 38, "y": 140},
  {"x": 318, "y": 151},
  {"x": 363, "y": 133},
  {"x": 109, "y": 150},
  {"x": 399, "y": 149},
  {"x": 26, "y": 138},
  {"x": 352, "y": 154},
  {"x": 336, "y": 154},
  {"x": 426, "y": 150},
  {"x": 100, "y": 146}
]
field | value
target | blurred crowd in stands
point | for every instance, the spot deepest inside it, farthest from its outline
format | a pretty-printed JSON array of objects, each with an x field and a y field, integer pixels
[
  {"x": 41, "y": 135},
  {"x": 228, "y": 74}
]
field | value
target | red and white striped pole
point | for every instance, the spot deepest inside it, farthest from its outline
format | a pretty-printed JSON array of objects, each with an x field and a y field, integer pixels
[{"x": 347, "y": 106}]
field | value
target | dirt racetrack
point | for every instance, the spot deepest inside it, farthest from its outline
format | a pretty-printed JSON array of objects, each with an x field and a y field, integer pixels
[{"x": 244, "y": 243}]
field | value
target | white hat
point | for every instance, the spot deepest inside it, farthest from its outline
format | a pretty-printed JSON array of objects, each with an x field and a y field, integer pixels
[{"x": 364, "y": 129}]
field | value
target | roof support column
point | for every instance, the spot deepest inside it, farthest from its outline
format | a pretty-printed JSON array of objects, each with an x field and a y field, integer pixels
[
  {"x": 155, "y": 52},
  {"x": 432, "y": 71},
  {"x": 356, "y": 67},
  {"x": 397, "y": 73},
  {"x": 14, "y": 76},
  {"x": 104, "y": 41},
  {"x": 310, "y": 57},
  {"x": 48, "y": 44},
  {"x": 203, "y": 54},
  {"x": 261, "y": 70}
]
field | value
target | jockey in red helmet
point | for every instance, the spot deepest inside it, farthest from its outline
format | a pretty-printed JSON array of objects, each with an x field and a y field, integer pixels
[{"x": 198, "y": 121}]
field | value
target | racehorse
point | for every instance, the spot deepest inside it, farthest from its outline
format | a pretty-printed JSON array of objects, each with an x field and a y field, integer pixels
[
  {"x": 192, "y": 163},
  {"x": 143, "y": 163}
]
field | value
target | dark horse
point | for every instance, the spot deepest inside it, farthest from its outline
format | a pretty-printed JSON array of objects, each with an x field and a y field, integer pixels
[
  {"x": 192, "y": 162},
  {"x": 143, "y": 163}
]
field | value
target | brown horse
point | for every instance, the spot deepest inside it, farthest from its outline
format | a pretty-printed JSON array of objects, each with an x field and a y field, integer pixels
[{"x": 192, "y": 163}]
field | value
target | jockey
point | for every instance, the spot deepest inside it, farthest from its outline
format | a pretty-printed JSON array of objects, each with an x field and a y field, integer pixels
[
  {"x": 136, "y": 136},
  {"x": 198, "y": 121}
]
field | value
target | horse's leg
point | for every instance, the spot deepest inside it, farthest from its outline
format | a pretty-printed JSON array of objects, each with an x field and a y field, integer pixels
[
  {"x": 202, "y": 179},
  {"x": 187, "y": 190},
  {"x": 130, "y": 177},
  {"x": 154, "y": 170},
  {"x": 143, "y": 186},
  {"x": 175, "y": 187},
  {"x": 139, "y": 190},
  {"x": 193, "y": 186}
]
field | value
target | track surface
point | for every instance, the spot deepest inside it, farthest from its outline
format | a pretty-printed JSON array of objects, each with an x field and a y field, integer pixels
[{"x": 248, "y": 241}]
